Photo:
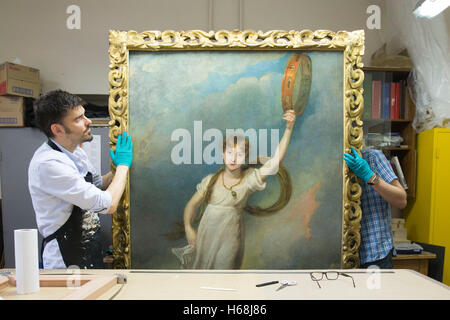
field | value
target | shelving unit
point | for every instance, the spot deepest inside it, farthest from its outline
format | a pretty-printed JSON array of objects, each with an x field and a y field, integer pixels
[
  {"x": 401, "y": 123},
  {"x": 98, "y": 105}
]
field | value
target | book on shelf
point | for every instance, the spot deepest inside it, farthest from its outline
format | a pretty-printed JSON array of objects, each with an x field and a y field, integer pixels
[
  {"x": 386, "y": 78},
  {"x": 386, "y": 100},
  {"x": 405, "y": 104},
  {"x": 385, "y": 96},
  {"x": 399, "y": 171},
  {"x": 399, "y": 100},
  {"x": 367, "y": 86},
  {"x": 395, "y": 100},
  {"x": 392, "y": 101},
  {"x": 402, "y": 85},
  {"x": 376, "y": 99}
]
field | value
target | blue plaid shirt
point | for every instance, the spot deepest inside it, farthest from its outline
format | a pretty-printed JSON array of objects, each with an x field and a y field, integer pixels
[{"x": 376, "y": 222}]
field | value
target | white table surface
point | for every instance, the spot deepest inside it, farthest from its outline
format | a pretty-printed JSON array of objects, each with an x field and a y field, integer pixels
[{"x": 186, "y": 285}]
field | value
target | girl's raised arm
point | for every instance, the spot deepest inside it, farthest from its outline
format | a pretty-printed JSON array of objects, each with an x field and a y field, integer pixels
[{"x": 272, "y": 165}]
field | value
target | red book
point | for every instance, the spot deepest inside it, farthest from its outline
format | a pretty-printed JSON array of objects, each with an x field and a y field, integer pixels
[
  {"x": 376, "y": 99},
  {"x": 392, "y": 103}
]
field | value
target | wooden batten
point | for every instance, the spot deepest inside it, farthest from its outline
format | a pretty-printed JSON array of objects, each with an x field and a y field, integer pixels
[
  {"x": 93, "y": 289},
  {"x": 74, "y": 280},
  {"x": 3, "y": 282},
  {"x": 90, "y": 287}
]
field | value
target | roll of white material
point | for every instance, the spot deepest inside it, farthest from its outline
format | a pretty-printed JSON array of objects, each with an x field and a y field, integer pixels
[{"x": 27, "y": 261}]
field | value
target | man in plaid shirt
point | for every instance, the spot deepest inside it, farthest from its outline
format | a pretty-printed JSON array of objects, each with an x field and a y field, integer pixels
[{"x": 380, "y": 188}]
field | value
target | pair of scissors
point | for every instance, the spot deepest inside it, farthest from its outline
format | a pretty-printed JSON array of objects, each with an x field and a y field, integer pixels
[{"x": 286, "y": 283}]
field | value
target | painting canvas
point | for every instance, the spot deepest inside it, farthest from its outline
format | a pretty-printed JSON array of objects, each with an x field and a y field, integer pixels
[
  {"x": 193, "y": 92},
  {"x": 179, "y": 94}
]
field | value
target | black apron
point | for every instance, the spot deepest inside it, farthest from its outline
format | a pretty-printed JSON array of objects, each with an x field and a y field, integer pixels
[{"x": 79, "y": 238}]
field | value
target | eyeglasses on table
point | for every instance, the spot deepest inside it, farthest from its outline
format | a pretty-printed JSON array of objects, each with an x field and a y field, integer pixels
[{"x": 329, "y": 275}]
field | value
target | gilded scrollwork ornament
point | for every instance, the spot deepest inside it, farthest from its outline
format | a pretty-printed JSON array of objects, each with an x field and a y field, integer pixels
[{"x": 350, "y": 43}]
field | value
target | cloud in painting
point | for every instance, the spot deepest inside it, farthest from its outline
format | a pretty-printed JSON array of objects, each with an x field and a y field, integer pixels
[
  {"x": 221, "y": 110},
  {"x": 200, "y": 66}
]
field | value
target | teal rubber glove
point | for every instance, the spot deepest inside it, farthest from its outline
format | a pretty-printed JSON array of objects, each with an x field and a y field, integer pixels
[
  {"x": 124, "y": 151},
  {"x": 358, "y": 165}
]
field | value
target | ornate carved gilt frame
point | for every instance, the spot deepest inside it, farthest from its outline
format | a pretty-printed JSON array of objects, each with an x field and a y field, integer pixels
[{"x": 350, "y": 43}]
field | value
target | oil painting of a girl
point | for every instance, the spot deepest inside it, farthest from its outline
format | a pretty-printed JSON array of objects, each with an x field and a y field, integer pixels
[
  {"x": 220, "y": 239},
  {"x": 201, "y": 200}
]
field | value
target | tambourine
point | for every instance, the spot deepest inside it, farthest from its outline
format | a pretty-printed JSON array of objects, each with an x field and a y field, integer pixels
[{"x": 296, "y": 83}]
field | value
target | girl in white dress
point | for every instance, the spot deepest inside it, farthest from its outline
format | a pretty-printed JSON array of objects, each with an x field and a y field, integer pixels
[{"x": 219, "y": 241}]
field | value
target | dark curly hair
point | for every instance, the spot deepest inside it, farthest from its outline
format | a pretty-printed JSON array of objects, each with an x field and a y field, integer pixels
[{"x": 52, "y": 108}]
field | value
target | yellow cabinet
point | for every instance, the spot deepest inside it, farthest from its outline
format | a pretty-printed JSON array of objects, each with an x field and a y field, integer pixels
[{"x": 428, "y": 215}]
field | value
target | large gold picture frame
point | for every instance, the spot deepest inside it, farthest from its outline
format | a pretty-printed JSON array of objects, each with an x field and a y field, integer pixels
[{"x": 351, "y": 44}]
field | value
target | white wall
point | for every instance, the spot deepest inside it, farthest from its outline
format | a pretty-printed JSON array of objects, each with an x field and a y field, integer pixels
[{"x": 77, "y": 60}]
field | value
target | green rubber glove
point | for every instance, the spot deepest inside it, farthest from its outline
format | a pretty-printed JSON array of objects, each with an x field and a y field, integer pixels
[
  {"x": 358, "y": 165},
  {"x": 124, "y": 151}
]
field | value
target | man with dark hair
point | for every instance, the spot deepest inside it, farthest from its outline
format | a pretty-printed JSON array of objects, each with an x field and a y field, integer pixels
[{"x": 66, "y": 191}]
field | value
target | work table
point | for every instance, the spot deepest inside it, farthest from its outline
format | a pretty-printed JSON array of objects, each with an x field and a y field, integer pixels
[{"x": 241, "y": 285}]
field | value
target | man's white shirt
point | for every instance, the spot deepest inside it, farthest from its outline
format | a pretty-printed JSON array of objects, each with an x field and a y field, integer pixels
[{"x": 56, "y": 183}]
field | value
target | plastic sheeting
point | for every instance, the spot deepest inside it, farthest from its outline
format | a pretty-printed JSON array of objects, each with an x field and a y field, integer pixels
[{"x": 427, "y": 42}]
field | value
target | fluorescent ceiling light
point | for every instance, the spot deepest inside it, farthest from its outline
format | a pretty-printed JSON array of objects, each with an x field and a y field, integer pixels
[{"x": 430, "y": 8}]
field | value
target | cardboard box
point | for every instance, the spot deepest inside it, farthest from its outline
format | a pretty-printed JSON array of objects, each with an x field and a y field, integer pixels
[
  {"x": 12, "y": 111},
  {"x": 19, "y": 80}
]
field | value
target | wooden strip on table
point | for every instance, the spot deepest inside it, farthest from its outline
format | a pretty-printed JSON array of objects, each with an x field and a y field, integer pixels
[
  {"x": 3, "y": 282},
  {"x": 93, "y": 289},
  {"x": 70, "y": 280}
]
